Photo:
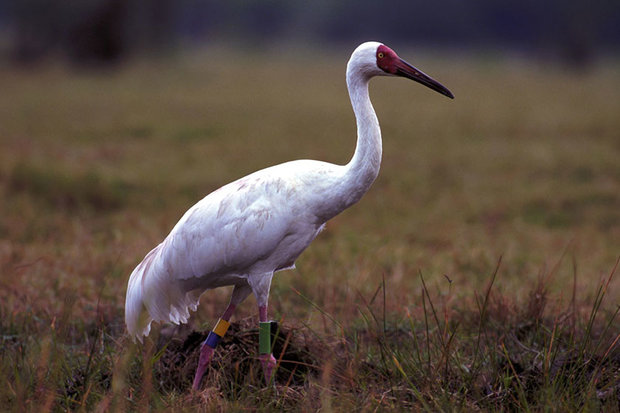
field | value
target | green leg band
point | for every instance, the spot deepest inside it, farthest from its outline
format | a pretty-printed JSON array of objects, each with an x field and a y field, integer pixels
[{"x": 264, "y": 337}]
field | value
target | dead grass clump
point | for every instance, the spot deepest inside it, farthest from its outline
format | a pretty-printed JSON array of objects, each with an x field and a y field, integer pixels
[{"x": 235, "y": 365}]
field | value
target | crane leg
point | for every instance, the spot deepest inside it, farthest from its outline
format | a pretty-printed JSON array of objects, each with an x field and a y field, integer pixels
[
  {"x": 266, "y": 356},
  {"x": 260, "y": 284},
  {"x": 207, "y": 349}
]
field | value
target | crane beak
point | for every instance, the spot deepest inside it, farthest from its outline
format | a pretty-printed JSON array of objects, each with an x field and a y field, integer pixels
[{"x": 404, "y": 69}]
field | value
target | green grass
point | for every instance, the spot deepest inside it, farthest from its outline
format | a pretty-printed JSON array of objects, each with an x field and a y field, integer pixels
[{"x": 477, "y": 273}]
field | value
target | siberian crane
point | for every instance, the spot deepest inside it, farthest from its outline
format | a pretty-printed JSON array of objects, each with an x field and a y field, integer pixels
[{"x": 242, "y": 233}]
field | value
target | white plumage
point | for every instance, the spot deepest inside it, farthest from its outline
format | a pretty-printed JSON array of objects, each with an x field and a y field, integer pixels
[
  {"x": 238, "y": 234},
  {"x": 245, "y": 231}
]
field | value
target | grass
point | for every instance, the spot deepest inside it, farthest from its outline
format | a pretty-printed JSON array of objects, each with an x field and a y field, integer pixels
[{"x": 478, "y": 272}]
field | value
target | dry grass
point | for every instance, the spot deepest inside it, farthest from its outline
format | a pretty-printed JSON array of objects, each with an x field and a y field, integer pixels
[{"x": 392, "y": 307}]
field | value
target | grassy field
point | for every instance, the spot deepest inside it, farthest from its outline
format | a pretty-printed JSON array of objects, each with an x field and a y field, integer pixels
[{"x": 477, "y": 273}]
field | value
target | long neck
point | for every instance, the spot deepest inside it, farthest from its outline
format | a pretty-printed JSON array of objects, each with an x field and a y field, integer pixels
[
  {"x": 355, "y": 178},
  {"x": 363, "y": 168}
]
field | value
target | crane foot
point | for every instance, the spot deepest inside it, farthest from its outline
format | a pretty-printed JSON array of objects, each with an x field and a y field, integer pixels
[{"x": 269, "y": 364}]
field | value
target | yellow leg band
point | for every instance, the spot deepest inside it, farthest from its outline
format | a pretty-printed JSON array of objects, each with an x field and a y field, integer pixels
[{"x": 221, "y": 327}]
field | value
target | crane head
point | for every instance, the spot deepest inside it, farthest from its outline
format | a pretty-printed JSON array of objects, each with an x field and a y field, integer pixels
[
  {"x": 391, "y": 64},
  {"x": 376, "y": 59}
]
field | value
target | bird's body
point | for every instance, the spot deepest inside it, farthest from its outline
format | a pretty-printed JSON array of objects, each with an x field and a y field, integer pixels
[
  {"x": 245, "y": 231},
  {"x": 252, "y": 227}
]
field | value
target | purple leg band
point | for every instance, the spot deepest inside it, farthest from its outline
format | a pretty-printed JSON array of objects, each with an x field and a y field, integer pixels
[{"x": 212, "y": 339}]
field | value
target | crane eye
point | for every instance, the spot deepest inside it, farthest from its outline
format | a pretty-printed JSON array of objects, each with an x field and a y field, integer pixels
[{"x": 380, "y": 55}]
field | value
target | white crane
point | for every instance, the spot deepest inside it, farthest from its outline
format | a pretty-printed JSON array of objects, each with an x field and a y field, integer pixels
[{"x": 245, "y": 231}]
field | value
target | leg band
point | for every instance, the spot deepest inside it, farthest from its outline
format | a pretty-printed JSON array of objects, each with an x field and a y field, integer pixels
[
  {"x": 212, "y": 340},
  {"x": 264, "y": 337},
  {"x": 221, "y": 327},
  {"x": 218, "y": 332}
]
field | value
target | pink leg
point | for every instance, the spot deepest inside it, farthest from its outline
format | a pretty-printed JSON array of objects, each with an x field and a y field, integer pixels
[
  {"x": 267, "y": 360},
  {"x": 240, "y": 292},
  {"x": 206, "y": 352}
]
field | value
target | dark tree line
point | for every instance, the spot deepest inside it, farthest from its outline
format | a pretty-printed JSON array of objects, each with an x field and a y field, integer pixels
[{"x": 110, "y": 30}]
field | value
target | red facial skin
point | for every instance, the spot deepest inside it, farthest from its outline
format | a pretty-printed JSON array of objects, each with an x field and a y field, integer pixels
[
  {"x": 387, "y": 59},
  {"x": 389, "y": 62}
]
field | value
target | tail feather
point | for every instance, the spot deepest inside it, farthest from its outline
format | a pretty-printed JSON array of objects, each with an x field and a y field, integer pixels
[{"x": 154, "y": 295}]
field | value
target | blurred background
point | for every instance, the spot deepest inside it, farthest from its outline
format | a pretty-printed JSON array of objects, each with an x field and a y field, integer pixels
[
  {"x": 574, "y": 32},
  {"x": 109, "y": 109},
  {"x": 117, "y": 115}
]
